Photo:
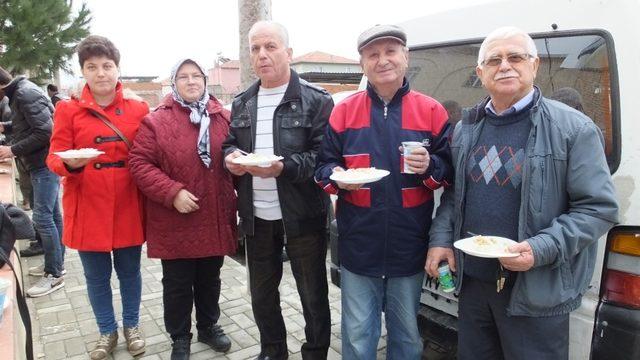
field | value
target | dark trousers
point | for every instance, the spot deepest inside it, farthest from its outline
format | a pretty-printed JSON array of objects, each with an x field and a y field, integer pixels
[
  {"x": 189, "y": 281},
  {"x": 307, "y": 255},
  {"x": 485, "y": 331}
]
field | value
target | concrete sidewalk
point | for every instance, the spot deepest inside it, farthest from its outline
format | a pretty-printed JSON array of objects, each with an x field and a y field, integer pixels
[{"x": 64, "y": 326}]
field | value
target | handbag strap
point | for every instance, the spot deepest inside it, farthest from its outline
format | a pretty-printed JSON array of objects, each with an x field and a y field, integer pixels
[
  {"x": 111, "y": 126},
  {"x": 22, "y": 308}
]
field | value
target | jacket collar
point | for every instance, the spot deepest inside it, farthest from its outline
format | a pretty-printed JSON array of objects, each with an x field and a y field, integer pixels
[
  {"x": 292, "y": 92},
  {"x": 86, "y": 99},
  {"x": 213, "y": 105},
  {"x": 11, "y": 87},
  {"x": 404, "y": 89},
  {"x": 478, "y": 112}
]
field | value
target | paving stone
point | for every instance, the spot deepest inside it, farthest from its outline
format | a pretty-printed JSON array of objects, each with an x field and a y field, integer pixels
[
  {"x": 53, "y": 306},
  {"x": 150, "y": 328},
  {"x": 242, "y": 338},
  {"x": 238, "y": 309},
  {"x": 75, "y": 346},
  {"x": 59, "y": 337},
  {"x": 67, "y": 316},
  {"x": 55, "y": 350},
  {"x": 242, "y": 320},
  {"x": 157, "y": 339},
  {"x": 46, "y": 320}
]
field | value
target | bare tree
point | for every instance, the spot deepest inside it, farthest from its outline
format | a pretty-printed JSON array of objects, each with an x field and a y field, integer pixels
[{"x": 250, "y": 12}]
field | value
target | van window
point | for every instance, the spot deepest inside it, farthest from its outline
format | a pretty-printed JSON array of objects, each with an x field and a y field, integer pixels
[{"x": 581, "y": 62}]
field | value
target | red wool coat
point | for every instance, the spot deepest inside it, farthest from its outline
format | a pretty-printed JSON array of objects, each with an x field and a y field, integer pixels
[
  {"x": 102, "y": 208},
  {"x": 164, "y": 159}
]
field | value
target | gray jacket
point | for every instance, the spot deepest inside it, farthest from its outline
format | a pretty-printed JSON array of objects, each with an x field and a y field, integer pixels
[{"x": 568, "y": 203}]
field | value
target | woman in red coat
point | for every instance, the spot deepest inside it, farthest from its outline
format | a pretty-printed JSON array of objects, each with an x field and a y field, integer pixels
[
  {"x": 101, "y": 203},
  {"x": 176, "y": 161}
]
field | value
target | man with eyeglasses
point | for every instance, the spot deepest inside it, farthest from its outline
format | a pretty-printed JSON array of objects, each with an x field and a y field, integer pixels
[{"x": 532, "y": 170}]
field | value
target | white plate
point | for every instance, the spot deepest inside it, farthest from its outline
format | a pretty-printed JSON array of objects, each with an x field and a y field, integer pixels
[
  {"x": 497, "y": 247},
  {"x": 79, "y": 154},
  {"x": 359, "y": 177},
  {"x": 256, "y": 160}
]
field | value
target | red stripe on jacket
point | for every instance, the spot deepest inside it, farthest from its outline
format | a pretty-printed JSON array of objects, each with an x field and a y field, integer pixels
[
  {"x": 415, "y": 196},
  {"x": 355, "y": 116},
  {"x": 357, "y": 161},
  {"x": 414, "y": 114},
  {"x": 360, "y": 197}
]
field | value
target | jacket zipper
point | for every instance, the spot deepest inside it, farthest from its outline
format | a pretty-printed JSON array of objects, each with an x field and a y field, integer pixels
[{"x": 386, "y": 195}]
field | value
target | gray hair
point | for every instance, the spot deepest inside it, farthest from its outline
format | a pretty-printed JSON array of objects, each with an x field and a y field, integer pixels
[
  {"x": 280, "y": 30},
  {"x": 506, "y": 32}
]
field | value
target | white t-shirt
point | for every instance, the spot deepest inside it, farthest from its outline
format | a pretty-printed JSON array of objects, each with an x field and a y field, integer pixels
[{"x": 266, "y": 203}]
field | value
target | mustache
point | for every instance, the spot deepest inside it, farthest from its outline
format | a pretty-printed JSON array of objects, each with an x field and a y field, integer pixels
[{"x": 505, "y": 75}]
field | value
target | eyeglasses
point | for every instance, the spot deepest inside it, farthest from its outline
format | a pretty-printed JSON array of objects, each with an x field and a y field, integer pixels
[
  {"x": 511, "y": 59},
  {"x": 185, "y": 77}
]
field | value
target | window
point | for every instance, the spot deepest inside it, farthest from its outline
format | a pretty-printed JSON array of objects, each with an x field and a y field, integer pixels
[
  {"x": 473, "y": 81},
  {"x": 577, "y": 61}
]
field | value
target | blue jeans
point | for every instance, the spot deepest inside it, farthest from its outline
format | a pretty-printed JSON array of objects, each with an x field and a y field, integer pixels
[
  {"x": 97, "y": 271},
  {"x": 363, "y": 300},
  {"x": 47, "y": 218}
]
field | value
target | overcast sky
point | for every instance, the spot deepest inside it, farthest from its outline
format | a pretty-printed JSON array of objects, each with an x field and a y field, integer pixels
[{"x": 153, "y": 35}]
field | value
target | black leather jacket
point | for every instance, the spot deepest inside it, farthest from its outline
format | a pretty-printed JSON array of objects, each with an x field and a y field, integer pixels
[
  {"x": 299, "y": 124},
  {"x": 32, "y": 123}
]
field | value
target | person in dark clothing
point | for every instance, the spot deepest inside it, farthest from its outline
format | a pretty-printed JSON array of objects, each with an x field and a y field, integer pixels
[
  {"x": 568, "y": 96},
  {"x": 280, "y": 205},
  {"x": 52, "y": 91},
  {"x": 31, "y": 131},
  {"x": 24, "y": 180}
]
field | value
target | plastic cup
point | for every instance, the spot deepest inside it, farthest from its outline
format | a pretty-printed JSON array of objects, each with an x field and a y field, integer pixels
[
  {"x": 407, "y": 148},
  {"x": 4, "y": 287}
]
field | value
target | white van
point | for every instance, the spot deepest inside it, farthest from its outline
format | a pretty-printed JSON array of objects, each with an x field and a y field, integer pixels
[{"x": 588, "y": 45}]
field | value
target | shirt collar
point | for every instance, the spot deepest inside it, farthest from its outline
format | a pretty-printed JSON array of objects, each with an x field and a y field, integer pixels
[{"x": 519, "y": 105}]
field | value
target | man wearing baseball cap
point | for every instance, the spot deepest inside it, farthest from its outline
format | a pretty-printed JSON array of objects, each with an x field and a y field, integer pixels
[{"x": 383, "y": 225}]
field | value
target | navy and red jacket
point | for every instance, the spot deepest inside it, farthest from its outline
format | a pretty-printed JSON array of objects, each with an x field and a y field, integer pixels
[{"x": 384, "y": 226}]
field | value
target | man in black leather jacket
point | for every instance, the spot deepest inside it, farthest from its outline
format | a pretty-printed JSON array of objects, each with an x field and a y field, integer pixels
[
  {"x": 31, "y": 129},
  {"x": 280, "y": 204}
]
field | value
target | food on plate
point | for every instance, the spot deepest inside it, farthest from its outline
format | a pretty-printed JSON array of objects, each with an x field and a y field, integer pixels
[
  {"x": 255, "y": 157},
  {"x": 358, "y": 173},
  {"x": 83, "y": 153},
  {"x": 488, "y": 243},
  {"x": 80, "y": 151}
]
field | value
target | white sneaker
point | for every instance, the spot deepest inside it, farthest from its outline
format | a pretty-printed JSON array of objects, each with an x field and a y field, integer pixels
[
  {"x": 39, "y": 270},
  {"x": 46, "y": 285}
]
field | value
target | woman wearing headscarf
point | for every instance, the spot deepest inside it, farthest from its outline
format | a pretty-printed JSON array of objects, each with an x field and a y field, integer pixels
[
  {"x": 176, "y": 161},
  {"x": 102, "y": 208}
]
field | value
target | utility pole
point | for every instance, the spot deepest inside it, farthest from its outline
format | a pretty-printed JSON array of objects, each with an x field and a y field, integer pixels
[{"x": 250, "y": 12}]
